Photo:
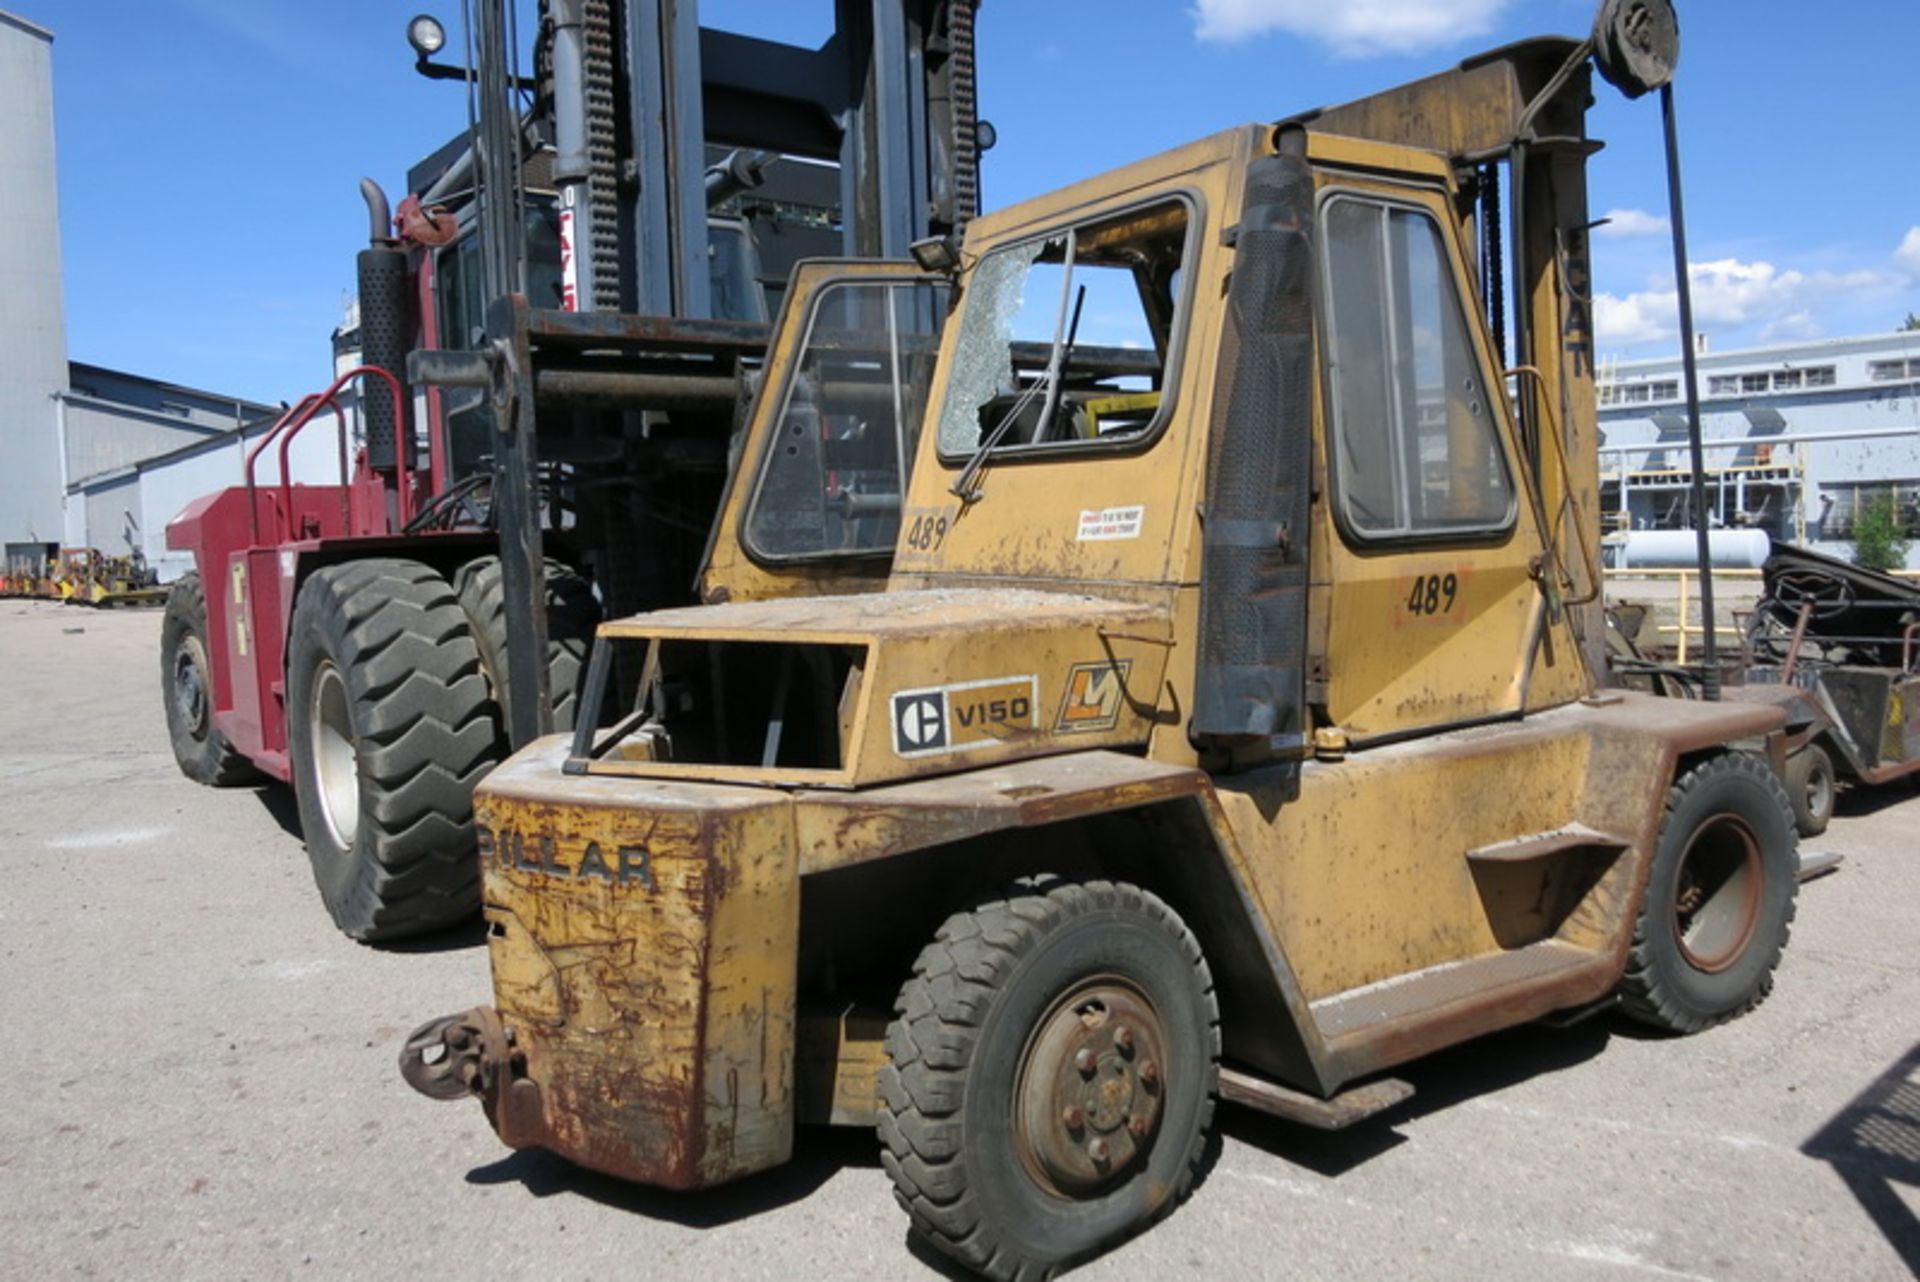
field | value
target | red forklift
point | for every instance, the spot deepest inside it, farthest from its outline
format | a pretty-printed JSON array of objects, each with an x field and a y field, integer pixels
[{"x": 560, "y": 330}]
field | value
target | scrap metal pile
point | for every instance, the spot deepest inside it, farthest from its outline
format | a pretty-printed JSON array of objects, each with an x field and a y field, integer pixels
[{"x": 1850, "y": 639}]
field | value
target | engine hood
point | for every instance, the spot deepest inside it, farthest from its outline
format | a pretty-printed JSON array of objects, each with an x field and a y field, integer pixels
[{"x": 919, "y": 682}]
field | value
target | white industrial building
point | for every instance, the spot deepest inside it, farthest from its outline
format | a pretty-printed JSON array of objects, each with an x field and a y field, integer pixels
[
  {"x": 1797, "y": 435},
  {"x": 33, "y": 324},
  {"x": 92, "y": 457},
  {"x": 136, "y": 450}
]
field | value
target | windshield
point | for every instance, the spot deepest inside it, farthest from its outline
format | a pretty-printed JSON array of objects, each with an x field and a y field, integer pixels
[
  {"x": 834, "y": 463},
  {"x": 1065, "y": 338},
  {"x": 733, "y": 272}
]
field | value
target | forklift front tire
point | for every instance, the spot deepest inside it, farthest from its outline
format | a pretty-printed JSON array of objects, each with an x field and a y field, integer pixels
[
  {"x": 572, "y": 615},
  {"x": 1720, "y": 898},
  {"x": 1050, "y": 1076},
  {"x": 389, "y": 727}
]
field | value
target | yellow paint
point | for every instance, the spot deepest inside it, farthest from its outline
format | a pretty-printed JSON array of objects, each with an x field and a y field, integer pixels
[
  {"x": 994, "y": 665},
  {"x": 651, "y": 982}
]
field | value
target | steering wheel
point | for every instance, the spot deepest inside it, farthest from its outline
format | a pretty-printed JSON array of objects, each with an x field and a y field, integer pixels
[{"x": 1828, "y": 594}]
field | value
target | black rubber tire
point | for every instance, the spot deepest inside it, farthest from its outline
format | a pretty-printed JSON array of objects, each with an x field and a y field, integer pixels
[
  {"x": 186, "y": 687},
  {"x": 423, "y": 732},
  {"x": 1722, "y": 801},
  {"x": 956, "y": 1047},
  {"x": 1811, "y": 785},
  {"x": 572, "y": 615}
]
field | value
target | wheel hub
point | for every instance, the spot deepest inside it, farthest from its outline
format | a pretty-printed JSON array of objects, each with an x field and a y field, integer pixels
[
  {"x": 1819, "y": 791},
  {"x": 1091, "y": 1084},
  {"x": 190, "y": 687},
  {"x": 1717, "y": 896},
  {"x": 335, "y": 768}
]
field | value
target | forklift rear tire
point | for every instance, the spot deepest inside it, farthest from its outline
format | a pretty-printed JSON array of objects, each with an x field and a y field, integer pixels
[
  {"x": 572, "y": 614},
  {"x": 389, "y": 728},
  {"x": 1720, "y": 898},
  {"x": 1811, "y": 787},
  {"x": 1050, "y": 1076},
  {"x": 186, "y": 681}
]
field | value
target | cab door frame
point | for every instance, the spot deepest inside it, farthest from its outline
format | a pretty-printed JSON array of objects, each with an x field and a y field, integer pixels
[
  {"x": 1412, "y": 619},
  {"x": 729, "y": 571}
]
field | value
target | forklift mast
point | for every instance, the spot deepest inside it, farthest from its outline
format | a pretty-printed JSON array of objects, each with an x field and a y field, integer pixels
[{"x": 635, "y": 98}]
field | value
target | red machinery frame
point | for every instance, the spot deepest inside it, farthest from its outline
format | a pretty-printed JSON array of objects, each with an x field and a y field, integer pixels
[{"x": 255, "y": 544}]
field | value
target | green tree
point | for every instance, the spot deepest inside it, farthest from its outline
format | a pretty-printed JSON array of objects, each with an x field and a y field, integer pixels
[
  {"x": 1913, "y": 323},
  {"x": 1879, "y": 534}
]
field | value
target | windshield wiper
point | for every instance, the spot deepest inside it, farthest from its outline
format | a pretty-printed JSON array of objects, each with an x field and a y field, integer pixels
[{"x": 966, "y": 486}]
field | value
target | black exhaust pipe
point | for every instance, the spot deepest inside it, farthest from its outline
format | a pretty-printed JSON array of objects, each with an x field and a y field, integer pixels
[{"x": 382, "y": 273}]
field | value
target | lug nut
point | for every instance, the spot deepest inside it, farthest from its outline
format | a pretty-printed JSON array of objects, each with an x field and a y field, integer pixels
[
  {"x": 1137, "y": 1126},
  {"x": 1123, "y": 1037},
  {"x": 1149, "y": 1073},
  {"x": 1097, "y": 1150},
  {"x": 1084, "y": 1061},
  {"x": 1074, "y": 1117}
]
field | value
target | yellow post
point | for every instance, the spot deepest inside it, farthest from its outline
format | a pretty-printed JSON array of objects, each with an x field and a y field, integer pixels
[{"x": 1680, "y": 649}]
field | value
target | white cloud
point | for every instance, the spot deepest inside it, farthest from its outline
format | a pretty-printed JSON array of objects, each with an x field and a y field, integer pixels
[
  {"x": 1729, "y": 294},
  {"x": 1635, "y": 319},
  {"x": 1353, "y": 28},
  {"x": 1620, "y": 223},
  {"x": 1908, "y": 255},
  {"x": 1793, "y": 327}
]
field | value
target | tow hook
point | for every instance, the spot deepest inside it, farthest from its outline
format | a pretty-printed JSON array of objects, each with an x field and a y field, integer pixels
[{"x": 457, "y": 1056}]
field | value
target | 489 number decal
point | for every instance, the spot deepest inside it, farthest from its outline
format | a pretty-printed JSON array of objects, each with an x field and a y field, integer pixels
[
  {"x": 1433, "y": 594},
  {"x": 927, "y": 531}
]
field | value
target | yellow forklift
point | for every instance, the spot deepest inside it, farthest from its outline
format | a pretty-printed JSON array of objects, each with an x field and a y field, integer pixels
[{"x": 1177, "y": 681}]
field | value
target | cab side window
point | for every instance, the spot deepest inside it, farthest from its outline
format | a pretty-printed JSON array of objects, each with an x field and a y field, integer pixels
[{"x": 1416, "y": 445}]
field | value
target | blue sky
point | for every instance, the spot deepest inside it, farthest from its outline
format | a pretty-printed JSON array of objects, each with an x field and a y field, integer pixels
[{"x": 210, "y": 149}]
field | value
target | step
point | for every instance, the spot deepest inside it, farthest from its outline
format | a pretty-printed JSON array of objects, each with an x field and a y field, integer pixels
[
  {"x": 1407, "y": 997},
  {"x": 1555, "y": 841},
  {"x": 1338, "y": 1113}
]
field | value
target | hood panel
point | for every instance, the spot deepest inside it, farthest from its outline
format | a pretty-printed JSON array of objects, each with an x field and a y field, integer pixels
[{"x": 946, "y": 679}]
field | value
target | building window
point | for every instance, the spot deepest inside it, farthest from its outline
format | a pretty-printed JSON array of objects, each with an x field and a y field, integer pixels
[
  {"x": 1639, "y": 393},
  {"x": 1893, "y": 371},
  {"x": 1780, "y": 380},
  {"x": 1844, "y": 500}
]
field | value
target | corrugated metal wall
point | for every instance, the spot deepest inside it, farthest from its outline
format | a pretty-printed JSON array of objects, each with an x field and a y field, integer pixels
[{"x": 103, "y": 438}]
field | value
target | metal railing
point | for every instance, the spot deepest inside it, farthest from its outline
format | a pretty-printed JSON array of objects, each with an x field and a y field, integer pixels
[
  {"x": 1686, "y": 581},
  {"x": 292, "y": 422}
]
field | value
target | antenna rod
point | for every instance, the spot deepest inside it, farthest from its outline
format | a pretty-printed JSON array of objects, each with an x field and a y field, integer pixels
[{"x": 1702, "y": 535}]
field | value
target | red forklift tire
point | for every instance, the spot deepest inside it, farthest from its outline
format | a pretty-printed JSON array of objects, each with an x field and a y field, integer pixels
[
  {"x": 1811, "y": 786},
  {"x": 572, "y": 614},
  {"x": 186, "y": 686},
  {"x": 390, "y": 726},
  {"x": 1050, "y": 1076},
  {"x": 1719, "y": 901}
]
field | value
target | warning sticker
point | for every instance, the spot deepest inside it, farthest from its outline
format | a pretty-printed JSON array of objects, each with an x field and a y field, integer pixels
[
  {"x": 970, "y": 714},
  {"x": 1095, "y": 694},
  {"x": 1099, "y": 524}
]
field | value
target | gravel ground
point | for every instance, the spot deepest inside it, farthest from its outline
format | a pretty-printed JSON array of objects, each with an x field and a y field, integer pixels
[{"x": 206, "y": 1082}]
